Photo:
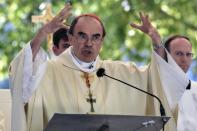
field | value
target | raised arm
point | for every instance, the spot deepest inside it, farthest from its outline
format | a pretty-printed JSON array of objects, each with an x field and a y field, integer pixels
[
  {"x": 152, "y": 32},
  {"x": 50, "y": 27}
]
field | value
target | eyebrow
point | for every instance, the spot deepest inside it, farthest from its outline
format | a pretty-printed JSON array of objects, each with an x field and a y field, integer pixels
[
  {"x": 81, "y": 32},
  {"x": 96, "y": 34}
]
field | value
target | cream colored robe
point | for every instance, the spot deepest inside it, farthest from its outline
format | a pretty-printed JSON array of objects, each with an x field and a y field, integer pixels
[
  {"x": 187, "y": 116},
  {"x": 63, "y": 90},
  {"x": 22, "y": 72}
]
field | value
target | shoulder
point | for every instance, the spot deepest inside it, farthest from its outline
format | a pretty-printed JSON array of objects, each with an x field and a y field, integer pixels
[{"x": 124, "y": 66}]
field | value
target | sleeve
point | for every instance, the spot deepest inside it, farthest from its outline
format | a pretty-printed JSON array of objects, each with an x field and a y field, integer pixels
[
  {"x": 30, "y": 70},
  {"x": 173, "y": 79}
]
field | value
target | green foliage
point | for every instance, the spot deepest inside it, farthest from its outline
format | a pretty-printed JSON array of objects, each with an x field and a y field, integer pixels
[{"x": 121, "y": 42}]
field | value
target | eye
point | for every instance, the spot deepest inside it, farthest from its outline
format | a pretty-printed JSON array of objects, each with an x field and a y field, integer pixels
[
  {"x": 96, "y": 37},
  {"x": 189, "y": 54},
  {"x": 82, "y": 35},
  {"x": 178, "y": 53}
]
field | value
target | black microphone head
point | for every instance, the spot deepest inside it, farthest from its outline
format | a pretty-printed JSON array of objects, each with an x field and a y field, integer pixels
[{"x": 100, "y": 72}]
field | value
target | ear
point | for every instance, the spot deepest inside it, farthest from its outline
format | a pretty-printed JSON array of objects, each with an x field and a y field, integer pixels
[
  {"x": 55, "y": 50},
  {"x": 71, "y": 39}
]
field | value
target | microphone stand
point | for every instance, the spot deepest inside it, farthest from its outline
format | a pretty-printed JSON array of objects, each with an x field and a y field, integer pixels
[
  {"x": 101, "y": 73},
  {"x": 162, "y": 111}
]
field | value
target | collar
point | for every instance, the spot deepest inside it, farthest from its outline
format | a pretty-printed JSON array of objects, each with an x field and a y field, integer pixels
[{"x": 84, "y": 66}]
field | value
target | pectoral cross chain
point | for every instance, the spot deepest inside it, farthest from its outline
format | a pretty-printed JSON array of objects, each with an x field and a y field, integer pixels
[{"x": 90, "y": 100}]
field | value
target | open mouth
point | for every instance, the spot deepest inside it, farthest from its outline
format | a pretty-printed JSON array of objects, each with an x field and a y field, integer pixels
[{"x": 87, "y": 52}]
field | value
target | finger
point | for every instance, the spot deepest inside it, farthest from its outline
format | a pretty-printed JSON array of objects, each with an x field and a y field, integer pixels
[
  {"x": 57, "y": 19},
  {"x": 64, "y": 26},
  {"x": 146, "y": 20},
  {"x": 66, "y": 13},
  {"x": 147, "y": 17},
  {"x": 134, "y": 25},
  {"x": 142, "y": 17},
  {"x": 66, "y": 8},
  {"x": 63, "y": 16}
]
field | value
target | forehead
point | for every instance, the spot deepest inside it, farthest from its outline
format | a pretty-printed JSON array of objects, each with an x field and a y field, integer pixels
[
  {"x": 180, "y": 44},
  {"x": 88, "y": 25}
]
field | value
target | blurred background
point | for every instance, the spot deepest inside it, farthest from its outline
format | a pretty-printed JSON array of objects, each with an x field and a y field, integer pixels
[{"x": 121, "y": 42}]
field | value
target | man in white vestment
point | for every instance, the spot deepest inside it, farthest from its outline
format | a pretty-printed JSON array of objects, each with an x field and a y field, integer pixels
[
  {"x": 180, "y": 48},
  {"x": 70, "y": 84},
  {"x": 26, "y": 64}
]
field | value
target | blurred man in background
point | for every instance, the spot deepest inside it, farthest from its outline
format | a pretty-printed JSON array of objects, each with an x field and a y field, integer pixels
[{"x": 180, "y": 48}]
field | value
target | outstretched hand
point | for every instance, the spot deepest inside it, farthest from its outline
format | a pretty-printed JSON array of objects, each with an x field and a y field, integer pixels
[
  {"x": 52, "y": 26},
  {"x": 58, "y": 21},
  {"x": 146, "y": 25},
  {"x": 152, "y": 32}
]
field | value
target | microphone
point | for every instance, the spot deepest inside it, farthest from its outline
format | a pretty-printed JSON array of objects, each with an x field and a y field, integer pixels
[{"x": 101, "y": 72}]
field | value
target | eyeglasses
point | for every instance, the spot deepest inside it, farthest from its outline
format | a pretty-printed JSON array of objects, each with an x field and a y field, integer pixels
[
  {"x": 83, "y": 37},
  {"x": 181, "y": 54}
]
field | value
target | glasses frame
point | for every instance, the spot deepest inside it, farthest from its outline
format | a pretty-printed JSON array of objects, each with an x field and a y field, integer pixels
[{"x": 83, "y": 37}]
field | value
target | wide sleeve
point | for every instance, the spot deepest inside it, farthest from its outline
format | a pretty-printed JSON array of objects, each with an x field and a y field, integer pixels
[
  {"x": 173, "y": 79},
  {"x": 30, "y": 69},
  {"x": 36, "y": 115},
  {"x": 18, "y": 121}
]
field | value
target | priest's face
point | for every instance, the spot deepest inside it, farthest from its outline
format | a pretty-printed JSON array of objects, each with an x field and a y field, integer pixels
[
  {"x": 87, "y": 39},
  {"x": 181, "y": 51}
]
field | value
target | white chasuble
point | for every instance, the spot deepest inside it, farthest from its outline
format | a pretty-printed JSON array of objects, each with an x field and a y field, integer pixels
[
  {"x": 21, "y": 80},
  {"x": 63, "y": 89},
  {"x": 187, "y": 116}
]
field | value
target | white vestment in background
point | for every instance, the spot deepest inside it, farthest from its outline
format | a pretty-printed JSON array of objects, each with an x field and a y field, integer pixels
[
  {"x": 22, "y": 72},
  {"x": 187, "y": 116}
]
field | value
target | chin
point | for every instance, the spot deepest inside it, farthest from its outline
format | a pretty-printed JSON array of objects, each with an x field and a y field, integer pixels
[
  {"x": 87, "y": 60},
  {"x": 185, "y": 70}
]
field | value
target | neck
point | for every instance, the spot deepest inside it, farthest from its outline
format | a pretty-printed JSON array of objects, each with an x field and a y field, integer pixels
[
  {"x": 82, "y": 63},
  {"x": 84, "y": 66}
]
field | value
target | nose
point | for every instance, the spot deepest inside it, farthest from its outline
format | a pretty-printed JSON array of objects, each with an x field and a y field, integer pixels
[
  {"x": 88, "y": 42},
  {"x": 185, "y": 59}
]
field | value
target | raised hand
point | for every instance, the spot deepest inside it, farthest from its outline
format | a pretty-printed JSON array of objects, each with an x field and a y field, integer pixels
[
  {"x": 58, "y": 21},
  {"x": 151, "y": 31},
  {"x": 146, "y": 26},
  {"x": 52, "y": 26}
]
